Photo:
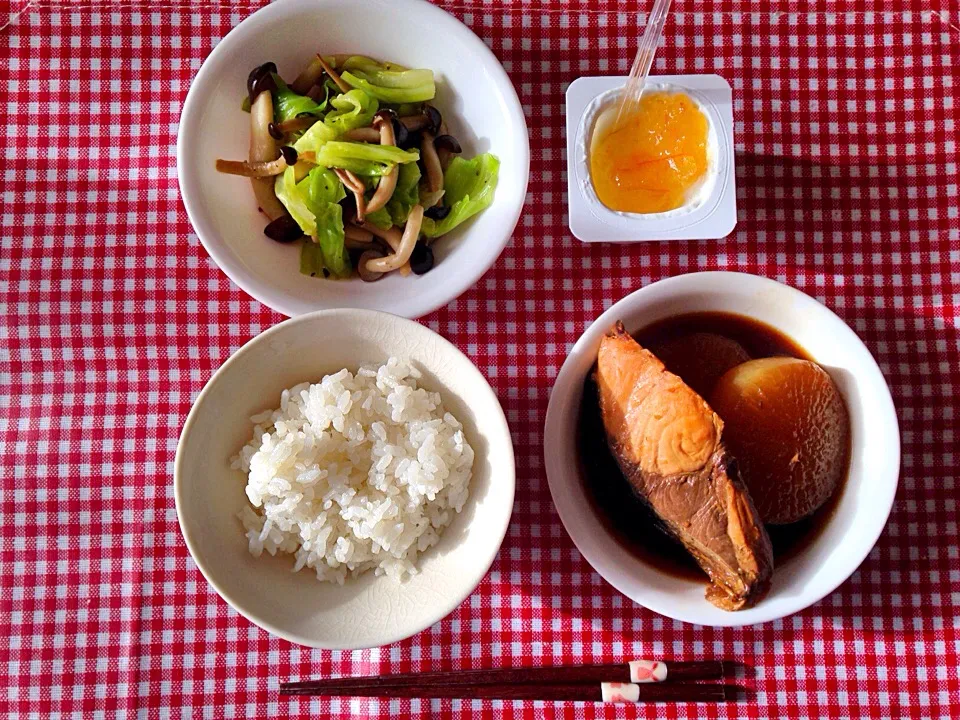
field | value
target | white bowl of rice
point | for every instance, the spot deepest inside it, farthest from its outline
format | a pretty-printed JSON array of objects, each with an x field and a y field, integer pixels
[{"x": 345, "y": 479}]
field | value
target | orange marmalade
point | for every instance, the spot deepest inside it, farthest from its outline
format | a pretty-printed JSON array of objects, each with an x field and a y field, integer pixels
[{"x": 651, "y": 160}]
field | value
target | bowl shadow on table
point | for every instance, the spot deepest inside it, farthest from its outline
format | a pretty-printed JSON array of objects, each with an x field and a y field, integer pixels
[
  {"x": 915, "y": 343},
  {"x": 760, "y": 177},
  {"x": 886, "y": 570}
]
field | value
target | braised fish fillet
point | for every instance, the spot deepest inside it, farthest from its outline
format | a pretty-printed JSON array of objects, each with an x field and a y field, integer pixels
[{"x": 669, "y": 445}]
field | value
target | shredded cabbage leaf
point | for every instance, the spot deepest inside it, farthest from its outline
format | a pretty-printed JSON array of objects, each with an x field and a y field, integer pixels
[
  {"x": 365, "y": 159},
  {"x": 405, "y": 109},
  {"x": 311, "y": 259},
  {"x": 381, "y": 218},
  {"x": 390, "y": 86},
  {"x": 288, "y": 105},
  {"x": 361, "y": 62},
  {"x": 469, "y": 187},
  {"x": 406, "y": 195},
  {"x": 314, "y": 138},
  {"x": 354, "y": 109},
  {"x": 314, "y": 204},
  {"x": 287, "y": 192}
]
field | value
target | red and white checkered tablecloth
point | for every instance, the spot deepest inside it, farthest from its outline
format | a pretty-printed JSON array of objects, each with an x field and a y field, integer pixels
[{"x": 113, "y": 318}]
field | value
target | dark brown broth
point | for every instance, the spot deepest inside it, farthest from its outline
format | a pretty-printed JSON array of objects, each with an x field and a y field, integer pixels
[{"x": 627, "y": 518}]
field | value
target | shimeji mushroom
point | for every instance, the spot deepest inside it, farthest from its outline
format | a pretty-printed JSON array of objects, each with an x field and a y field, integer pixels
[
  {"x": 333, "y": 74},
  {"x": 383, "y": 121},
  {"x": 268, "y": 168},
  {"x": 263, "y": 148},
  {"x": 354, "y": 185},
  {"x": 431, "y": 163},
  {"x": 401, "y": 254}
]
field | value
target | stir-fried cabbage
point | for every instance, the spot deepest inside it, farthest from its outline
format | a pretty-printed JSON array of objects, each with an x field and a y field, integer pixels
[
  {"x": 468, "y": 188},
  {"x": 314, "y": 138},
  {"x": 311, "y": 192},
  {"x": 288, "y": 105},
  {"x": 364, "y": 159},
  {"x": 314, "y": 204},
  {"x": 361, "y": 62},
  {"x": 406, "y": 194},
  {"x": 388, "y": 83},
  {"x": 380, "y": 218},
  {"x": 354, "y": 109}
]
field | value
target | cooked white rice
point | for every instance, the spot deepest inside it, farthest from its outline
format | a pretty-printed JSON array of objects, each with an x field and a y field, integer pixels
[{"x": 354, "y": 473}]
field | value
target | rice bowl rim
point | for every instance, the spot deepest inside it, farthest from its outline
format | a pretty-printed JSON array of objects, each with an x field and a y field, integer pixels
[{"x": 494, "y": 423}]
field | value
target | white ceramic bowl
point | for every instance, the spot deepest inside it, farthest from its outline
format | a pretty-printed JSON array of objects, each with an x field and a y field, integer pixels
[
  {"x": 474, "y": 94},
  {"x": 874, "y": 465},
  {"x": 365, "y": 611}
]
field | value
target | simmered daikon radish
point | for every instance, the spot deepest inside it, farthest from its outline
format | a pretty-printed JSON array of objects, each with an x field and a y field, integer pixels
[{"x": 786, "y": 423}]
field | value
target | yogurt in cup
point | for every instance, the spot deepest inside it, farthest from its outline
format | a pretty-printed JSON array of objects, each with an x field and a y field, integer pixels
[{"x": 710, "y": 210}]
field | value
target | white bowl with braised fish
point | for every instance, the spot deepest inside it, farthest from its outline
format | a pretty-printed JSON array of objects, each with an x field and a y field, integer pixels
[
  {"x": 722, "y": 448},
  {"x": 345, "y": 479},
  {"x": 340, "y": 154}
]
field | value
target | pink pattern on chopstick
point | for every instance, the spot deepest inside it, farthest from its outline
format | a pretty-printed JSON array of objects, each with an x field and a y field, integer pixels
[
  {"x": 647, "y": 671},
  {"x": 619, "y": 692}
]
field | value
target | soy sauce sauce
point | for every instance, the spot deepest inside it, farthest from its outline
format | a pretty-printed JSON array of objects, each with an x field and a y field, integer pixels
[{"x": 635, "y": 527}]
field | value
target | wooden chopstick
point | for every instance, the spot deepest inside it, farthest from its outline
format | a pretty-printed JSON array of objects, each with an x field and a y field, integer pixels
[
  {"x": 640, "y": 671},
  {"x": 613, "y": 692}
]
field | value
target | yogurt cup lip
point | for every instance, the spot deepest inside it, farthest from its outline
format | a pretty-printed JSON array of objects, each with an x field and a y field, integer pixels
[{"x": 702, "y": 193}]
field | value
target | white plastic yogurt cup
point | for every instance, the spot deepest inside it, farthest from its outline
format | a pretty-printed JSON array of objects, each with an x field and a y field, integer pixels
[{"x": 710, "y": 211}]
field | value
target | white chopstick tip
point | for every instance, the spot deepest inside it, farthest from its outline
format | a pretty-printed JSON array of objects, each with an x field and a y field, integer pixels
[
  {"x": 647, "y": 671},
  {"x": 619, "y": 692}
]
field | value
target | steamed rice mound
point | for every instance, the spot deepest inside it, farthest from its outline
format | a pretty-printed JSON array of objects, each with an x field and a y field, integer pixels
[{"x": 354, "y": 473}]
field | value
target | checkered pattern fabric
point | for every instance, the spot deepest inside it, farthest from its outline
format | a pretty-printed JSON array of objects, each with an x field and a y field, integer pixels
[{"x": 112, "y": 318}]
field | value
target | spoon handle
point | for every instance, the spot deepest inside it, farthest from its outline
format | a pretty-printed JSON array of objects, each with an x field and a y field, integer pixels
[{"x": 644, "y": 59}]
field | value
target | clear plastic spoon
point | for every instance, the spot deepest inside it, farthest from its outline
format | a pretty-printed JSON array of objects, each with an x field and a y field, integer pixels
[{"x": 644, "y": 60}]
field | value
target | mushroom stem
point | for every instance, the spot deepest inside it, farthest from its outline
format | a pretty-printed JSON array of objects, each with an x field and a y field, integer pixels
[
  {"x": 333, "y": 74},
  {"x": 388, "y": 182},
  {"x": 357, "y": 238},
  {"x": 354, "y": 185},
  {"x": 413, "y": 123},
  {"x": 392, "y": 236},
  {"x": 350, "y": 179},
  {"x": 252, "y": 169},
  {"x": 431, "y": 162},
  {"x": 307, "y": 77},
  {"x": 401, "y": 256},
  {"x": 298, "y": 123},
  {"x": 263, "y": 148},
  {"x": 364, "y": 134},
  {"x": 357, "y": 234},
  {"x": 447, "y": 146},
  {"x": 446, "y": 157}
]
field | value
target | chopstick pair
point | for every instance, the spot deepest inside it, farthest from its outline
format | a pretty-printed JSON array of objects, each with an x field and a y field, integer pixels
[{"x": 635, "y": 681}]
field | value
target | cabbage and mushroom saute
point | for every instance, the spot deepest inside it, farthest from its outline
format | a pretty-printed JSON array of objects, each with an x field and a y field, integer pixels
[{"x": 352, "y": 158}]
